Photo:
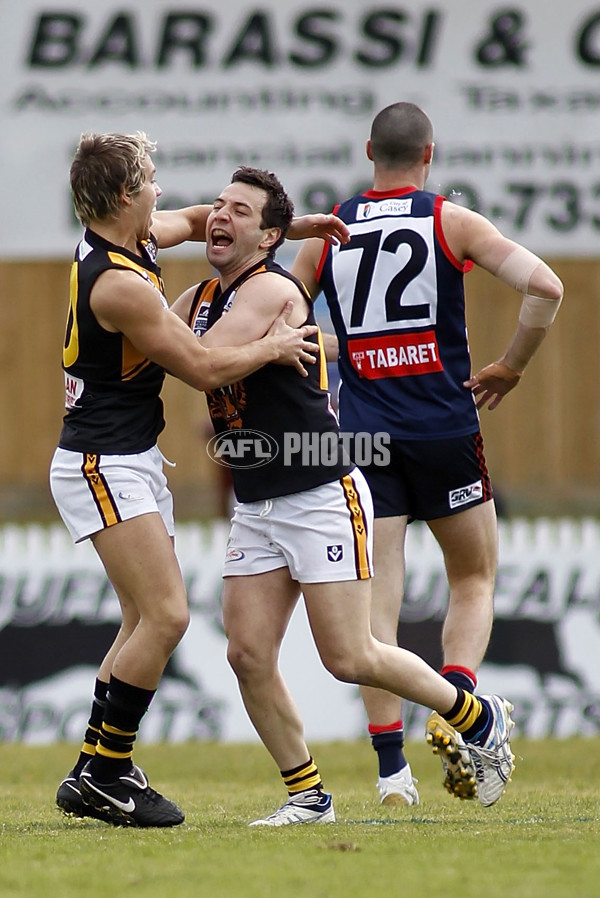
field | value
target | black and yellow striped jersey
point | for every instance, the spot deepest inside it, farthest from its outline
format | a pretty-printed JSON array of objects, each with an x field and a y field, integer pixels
[
  {"x": 275, "y": 429},
  {"x": 112, "y": 393}
]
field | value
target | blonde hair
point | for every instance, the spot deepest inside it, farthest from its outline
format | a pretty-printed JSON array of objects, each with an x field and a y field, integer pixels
[{"x": 103, "y": 167}]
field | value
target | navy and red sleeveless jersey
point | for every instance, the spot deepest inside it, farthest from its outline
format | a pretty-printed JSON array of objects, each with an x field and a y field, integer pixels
[{"x": 396, "y": 297}]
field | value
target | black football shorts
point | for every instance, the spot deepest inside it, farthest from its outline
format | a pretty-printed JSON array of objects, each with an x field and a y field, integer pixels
[{"x": 428, "y": 479}]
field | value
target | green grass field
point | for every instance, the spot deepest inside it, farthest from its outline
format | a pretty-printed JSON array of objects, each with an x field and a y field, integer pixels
[{"x": 539, "y": 841}]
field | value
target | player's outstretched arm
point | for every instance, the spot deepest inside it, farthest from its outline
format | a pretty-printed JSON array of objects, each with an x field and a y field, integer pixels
[
  {"x": 174, "y": 226},
  {"x": 327, "y": 227},
  {"x": 123, "y": 303}
]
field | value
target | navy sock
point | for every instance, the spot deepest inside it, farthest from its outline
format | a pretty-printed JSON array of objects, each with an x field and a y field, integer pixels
[
  {"x": 461, "y": 677},
  {"x": 388, "y": 742}
]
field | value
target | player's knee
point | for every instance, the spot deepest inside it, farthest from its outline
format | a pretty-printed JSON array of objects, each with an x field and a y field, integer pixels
[
  {"x": 354, "y": 664},
  {"x": 246, "y": 662},
  {"x": 172, "y": 626},
  {"x": 342, "y": 667}
]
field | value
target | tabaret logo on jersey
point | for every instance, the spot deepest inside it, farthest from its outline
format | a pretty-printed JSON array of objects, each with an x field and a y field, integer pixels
[
  {"x": 465, "y": 494},
  {"x": 384, "y": 207},
  {"x": 395, "y": 355},
  {"x": 242, "y": 449}
]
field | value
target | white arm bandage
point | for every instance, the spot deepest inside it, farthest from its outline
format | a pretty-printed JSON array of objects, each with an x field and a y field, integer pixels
[
  {"x": 517, "y": 268},
  {"x": 536, "y": 311}
]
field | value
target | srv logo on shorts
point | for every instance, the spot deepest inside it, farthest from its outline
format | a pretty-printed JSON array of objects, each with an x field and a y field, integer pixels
[
  {"x": 465, "y": 494},
  {"x": 335, "y": 553}
]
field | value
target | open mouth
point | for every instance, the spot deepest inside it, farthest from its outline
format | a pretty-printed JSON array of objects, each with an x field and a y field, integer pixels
[{"x": 219, "y": 237}]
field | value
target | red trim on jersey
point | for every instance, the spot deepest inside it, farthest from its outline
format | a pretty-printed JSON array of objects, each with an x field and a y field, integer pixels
[
  {"x": 383, "y": 194},
  {"x": 439, "y": 233},
  {"x": 319, "y": 269}
]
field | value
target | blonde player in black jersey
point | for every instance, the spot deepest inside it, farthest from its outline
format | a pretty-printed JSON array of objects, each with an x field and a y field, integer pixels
[
  {"x": 106, "y": 475},
  {"x": 303, "y": 522},
  {"x": 395, "y": 288}
]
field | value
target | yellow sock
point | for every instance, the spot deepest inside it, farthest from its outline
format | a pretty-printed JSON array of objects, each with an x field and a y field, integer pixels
[{"x": 301, "y": 778}]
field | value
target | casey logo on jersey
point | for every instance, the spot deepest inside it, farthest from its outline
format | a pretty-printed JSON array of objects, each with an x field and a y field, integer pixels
[
  {"x": 391, "y": 206},
  {"x": 395, "y": 355}
]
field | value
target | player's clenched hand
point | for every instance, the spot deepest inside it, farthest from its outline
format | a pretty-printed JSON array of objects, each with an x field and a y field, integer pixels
[
  {"x": 292, "y": 343},
  {"x": 492, "y": 383},
  {"x": 327, "y": 227}
]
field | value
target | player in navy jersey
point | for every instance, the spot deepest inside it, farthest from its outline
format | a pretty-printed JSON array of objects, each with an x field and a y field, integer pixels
[
  {"x": 107, "y": 475},
  {"x": 303, "y": 521},
  {"x": 396, "y": 298}
]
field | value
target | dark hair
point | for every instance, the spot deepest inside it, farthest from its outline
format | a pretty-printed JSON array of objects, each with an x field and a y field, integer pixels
[
  {"x": 278, "y": 210},
  {"x": 103, "y": 166},
  {"x": 399, "y": 135}
]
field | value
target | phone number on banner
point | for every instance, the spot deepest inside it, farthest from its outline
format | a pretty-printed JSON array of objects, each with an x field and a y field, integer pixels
[{"x": 560, "y": 205}]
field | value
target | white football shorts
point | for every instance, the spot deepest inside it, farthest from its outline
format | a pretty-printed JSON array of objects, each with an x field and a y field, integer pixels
[
  {"x": 92, "y": 491},
  {"x": 322, "y": 535}
]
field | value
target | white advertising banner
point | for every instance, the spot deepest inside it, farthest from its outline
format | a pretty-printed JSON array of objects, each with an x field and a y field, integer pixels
[
  {"x": 58, "y": 616},
  {"x": 514, "y": 94}
]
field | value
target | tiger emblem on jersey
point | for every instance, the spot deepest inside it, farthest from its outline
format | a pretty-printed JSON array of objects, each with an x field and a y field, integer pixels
[{"x": 228, "y": 404}]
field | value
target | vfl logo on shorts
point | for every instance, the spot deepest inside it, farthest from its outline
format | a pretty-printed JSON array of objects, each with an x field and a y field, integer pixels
[
  {"x": 465, "y": 494},
  {"x": 335, "y": 553}
]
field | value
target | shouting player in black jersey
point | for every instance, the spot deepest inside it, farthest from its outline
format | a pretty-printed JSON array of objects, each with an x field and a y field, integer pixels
[
  {"x": 395, "y": 293},
  {"x": 303, "y": 522},
  {"x": 106, "y": 475}
]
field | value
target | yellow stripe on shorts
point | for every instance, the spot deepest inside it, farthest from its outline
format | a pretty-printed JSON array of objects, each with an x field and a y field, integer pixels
[
  {"x": 102, "y": 497},
  {"x": 359, "y": 528}
]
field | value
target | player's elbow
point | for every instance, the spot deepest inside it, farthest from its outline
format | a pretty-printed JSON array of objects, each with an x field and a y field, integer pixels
[
  {"x": 211, "y": 369},
  {"x": 212, "y": 377},
  {"x": 557, "y": 290},
  {"x": 547, "y": 284}
]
